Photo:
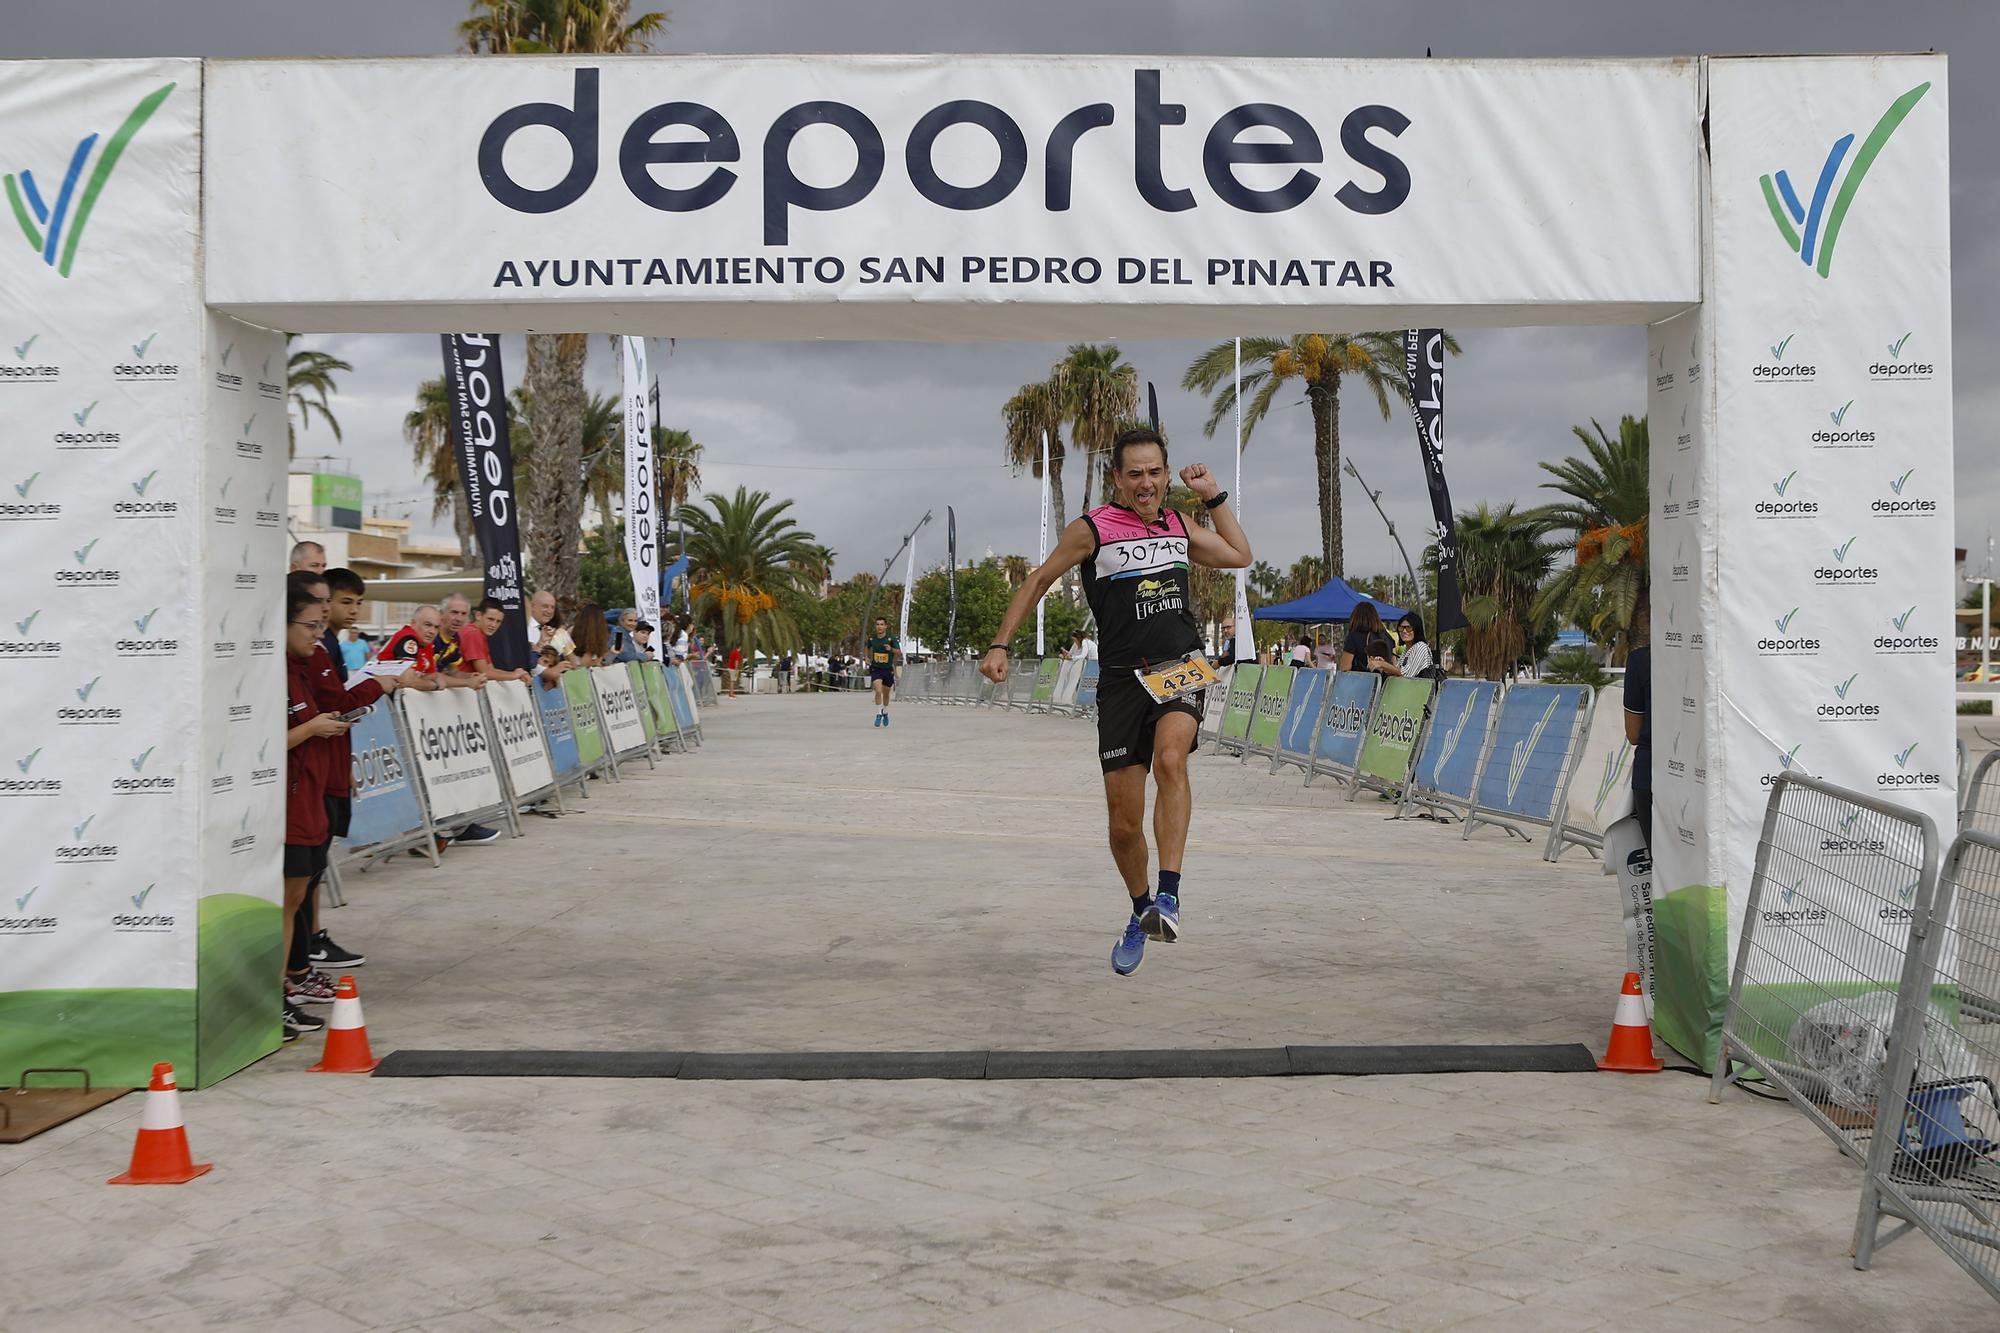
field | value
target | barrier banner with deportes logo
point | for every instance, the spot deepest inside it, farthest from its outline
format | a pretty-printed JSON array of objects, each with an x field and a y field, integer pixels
[
  {"x": 1045, "y": 681},
  {"x": 516, "y": 727},
  {"x": 453, "y": 753},
  {"x": 618, "y": 709},
  {"x": 584, "y": 721},
  {"x": 1086, "y": 685},
  {"x": 1533, "y": 737},
  {"x": 1301, "y": 720},
  {"x": 557, "y": 729},
  {"x": 677, "y": 698},
  {"x": 1448, "y": 764},
  {"x": 1604, "y": 773},
  {"x": 386, "y": 803},
  {"x": 140, "y": 798},
  {"x": 1821, "y": 371},
  {"x": 689, "y": 694},
  {"x": 951, "y": 180},
  {"x": 1064, "y": 695},
  {"x": 1344, "y": 721},
  {"x": 654, "y": 681},
  {"x": 1241, "y": 704},
  {"x": 1269, "y": 711},
  {"x": 476, "y": 391},
  {"x": 1391, "y": 744}
]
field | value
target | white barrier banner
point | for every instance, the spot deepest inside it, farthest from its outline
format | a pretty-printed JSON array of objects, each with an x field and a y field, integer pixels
[
  {"x": 687, "y": 688},
  {"x": 1601, "y": 792},
  {"x": 618, "y": 707},
  {"x": 1125, "y": 188},
  {"x": 517, "y": 729},
  {"x": 452, "y": 750}
]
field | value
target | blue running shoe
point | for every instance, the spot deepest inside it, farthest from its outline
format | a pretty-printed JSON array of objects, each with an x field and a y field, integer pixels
[
  {"x": 1130, "y": 951},
  {"x": 1162, "y": 920},
  {"x": 885, "y": 719},
  {"x": 877, "y": 722}
]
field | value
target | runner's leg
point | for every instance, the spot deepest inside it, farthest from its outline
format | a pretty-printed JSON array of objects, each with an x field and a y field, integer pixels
[
  {"x": 1172, "y": 737},
  {"x": 1125, "y": 800}
]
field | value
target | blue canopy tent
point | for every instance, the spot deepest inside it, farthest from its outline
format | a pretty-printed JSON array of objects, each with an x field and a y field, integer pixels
[{"x": 1335, "y": 602}]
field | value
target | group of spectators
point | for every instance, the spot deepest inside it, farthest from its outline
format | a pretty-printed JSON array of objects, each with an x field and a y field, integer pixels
[{"x": 1366, "y": 645}]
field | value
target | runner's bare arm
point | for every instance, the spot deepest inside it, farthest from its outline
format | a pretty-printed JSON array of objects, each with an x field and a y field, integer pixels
[
  {"x": 1226, "y": 547},
  {"x": 1076, "y": 545}
]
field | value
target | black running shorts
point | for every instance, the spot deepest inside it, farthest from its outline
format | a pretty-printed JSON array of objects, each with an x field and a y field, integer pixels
[
  {"x": 304, "y": 862},
  {"x": 882, "y": 675},
  {"x": 1126, "y": 717}
]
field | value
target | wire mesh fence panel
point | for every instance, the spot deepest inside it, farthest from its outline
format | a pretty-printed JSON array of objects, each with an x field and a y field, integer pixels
[
  {"x": 1940, "y": 1171},
  {"x": 1021, "y": 677},
  {"x": 1980, "y": 810},
  {"x": 1841, "y": 879}
]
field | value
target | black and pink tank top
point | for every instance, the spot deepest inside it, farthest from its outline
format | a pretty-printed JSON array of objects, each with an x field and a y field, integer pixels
[{"x": 1138, "y": 587}]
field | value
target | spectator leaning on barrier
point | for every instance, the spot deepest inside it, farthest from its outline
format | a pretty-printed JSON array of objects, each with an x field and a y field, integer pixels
[
  {"x": 1415, "y": 660},
  {"x": 417, "y": 644},
  {"x": 342, "y": 593},
  {"x": 1639, "y": 728},
  {"x": 593, "y": 637},
  {"x": 475, "y": 642},
  {"x": 308, "y": 756},
  {"x": 1367, "y": 647},
  {"x": 642, "y": 634},
  {"x": 307, "y": 557},
  {"x": 545, "y": 625},
  {"x": 680, "y": 646}
]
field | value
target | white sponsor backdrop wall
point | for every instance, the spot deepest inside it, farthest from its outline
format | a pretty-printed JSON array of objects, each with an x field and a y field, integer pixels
[
  {"x": 1801, "y": 480},
  {"x": 138, "y": 798},
  {"x": 931, "y": 195}
]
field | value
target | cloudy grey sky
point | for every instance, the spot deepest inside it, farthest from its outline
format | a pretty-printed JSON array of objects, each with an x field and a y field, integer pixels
[{"x": 865, "y": 436}]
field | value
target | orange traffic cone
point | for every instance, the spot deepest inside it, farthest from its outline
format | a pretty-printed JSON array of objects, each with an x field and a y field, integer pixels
[
  {"x": 346, "y": 1036},
  {"x": 160, "y": 1154},
  {"x": 1631, "y": 1049}
]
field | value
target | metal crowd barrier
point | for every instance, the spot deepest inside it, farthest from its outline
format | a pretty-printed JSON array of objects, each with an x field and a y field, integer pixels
[
  {"x": 1842, "y": 884},
  {"x": 1300, "y": 724},
  {"x": 1446, "y": 773},
  {"x": 1525, "y": 774},
  {"x": 1979, "y": 805},
  {"x": 1350, "y": 704},
  {"x": 1395, "y": 737},
  {"x": 1239, "y": 705},
  {"x": 1939, "y": 1172},
  {"x": 1267, "y": 711}
]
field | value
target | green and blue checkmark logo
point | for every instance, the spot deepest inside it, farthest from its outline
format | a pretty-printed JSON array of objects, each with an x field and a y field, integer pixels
[
  {"x": 83, "y": 418},
  {"x": 27, "y": 761},
  {"x": 1840, "y": 551},
  {"x": 139, "y": 760},
  {"x": 1904, "y": 619},
  {"x": 21, "y": 488},
  {"x": 1903, "y": 756},
  {"x": 82, "y": 553},
  {"x": 139, "y": 898},
  {"x": 1897, "y": 484},
  {"x": 1841, "y": 689},
  {"x": 142, "y": 622},
  {"x": 54, "y": 227},
  {"x": 1896, "y": 348},
  {"x": 21, "y": 903},
  {"x": 23, "y": 626},
  {"x": 1784, "y": 622},
  {"x": 1812, "y": 229},
  {"x": 139, "y": 348},
  {"x": 1786, "y": 758},
  {"x": 1784, "y": 483},
  {"x": 1840, "y": 414},
  {"x": 83, "y": 692},
  {"x": 21, "y": 349},
  {"x": 1778, "y": 348},
  {"x": 78, "y": 830},
  {"x": 139, "y": 486}
]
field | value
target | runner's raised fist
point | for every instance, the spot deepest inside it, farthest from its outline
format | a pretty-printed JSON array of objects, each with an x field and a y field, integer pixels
[
  {"x": 992, "y": 670},
  {"x": 1196, "y": 477}
]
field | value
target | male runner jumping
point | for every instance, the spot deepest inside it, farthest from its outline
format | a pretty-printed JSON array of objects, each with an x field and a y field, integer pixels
[
  {"x": 884, "y": 651},
  {"x": 1135, "y": 576}
]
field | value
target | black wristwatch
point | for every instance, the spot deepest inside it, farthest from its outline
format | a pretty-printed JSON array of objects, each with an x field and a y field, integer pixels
[
  {"x": 1216, "y": 501},
  {"x": 1001, "y": 646}
]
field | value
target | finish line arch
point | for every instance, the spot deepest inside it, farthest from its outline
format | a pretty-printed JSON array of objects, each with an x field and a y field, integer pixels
[{"x": 1782, "y": 224}]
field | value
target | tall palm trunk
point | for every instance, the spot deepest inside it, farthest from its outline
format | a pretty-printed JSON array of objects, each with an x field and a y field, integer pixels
[
  {"x": 1325, "y": 398},
  {"x": 554, "y": 509},
  {"x": 461, "y": 523}
]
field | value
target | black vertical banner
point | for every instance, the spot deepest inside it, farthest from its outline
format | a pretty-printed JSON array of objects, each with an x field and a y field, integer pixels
[
  {"x": 477, "y": 394},
  {"x": 950, "y": 580},
  {"x": 1423, "y": 361}
]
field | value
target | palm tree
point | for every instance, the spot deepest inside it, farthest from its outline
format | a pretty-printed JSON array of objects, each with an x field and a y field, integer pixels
[
  {"x": 1016, "y": 568},
  {"x": 308, "y": 384},
  {"x": 1504, "y": 556},
  {"x": 677, "y": 460},
  {"x": 552, "y": 501},
  {"x": 427, "y": 430},
  {"x": 1318, "y": 361},
  {"x": 603, "y": 451},
  {"x": 1266, "y": 583},
  {"x": 1098, "y": 393},
  {"x": 1307, "y": 575},
  {"x": 1604, "y": 591},
  {"x": 742, "y": 552}
]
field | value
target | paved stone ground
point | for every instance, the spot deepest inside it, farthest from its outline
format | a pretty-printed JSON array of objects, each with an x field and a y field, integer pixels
[{"x": 808, "y": 882}]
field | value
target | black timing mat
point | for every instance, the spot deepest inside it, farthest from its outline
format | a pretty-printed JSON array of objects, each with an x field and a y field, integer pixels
[{"x": 1200, "y": 1062}]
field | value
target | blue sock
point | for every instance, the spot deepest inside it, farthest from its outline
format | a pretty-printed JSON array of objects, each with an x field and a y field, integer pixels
[
  {"x": 1139, "y": 905},
  {"x": 1170, "y": 883}
]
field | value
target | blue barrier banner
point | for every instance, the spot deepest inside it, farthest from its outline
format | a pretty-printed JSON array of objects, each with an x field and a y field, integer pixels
[
  {"x": 1086, "y": 688},
  {"x": 677, "y": 700},
  {"x": 1295, "y": 733},
  {"x": 1450, "y": 761},
  {"x": 555, "y": 726},
  {"x": 385, "y": 793},
  {"x": 1338, "y": 741},
  {"x": 1530, "y": 748}
]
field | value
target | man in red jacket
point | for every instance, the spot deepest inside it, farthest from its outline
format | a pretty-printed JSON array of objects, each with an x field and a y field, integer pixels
[{"x": 309, "y": 731}]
